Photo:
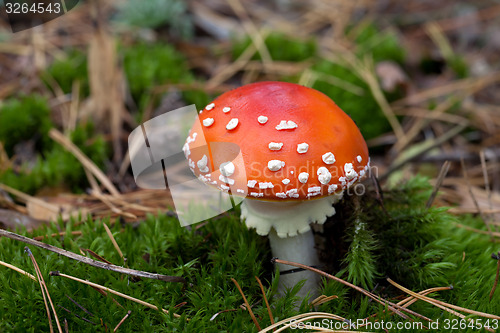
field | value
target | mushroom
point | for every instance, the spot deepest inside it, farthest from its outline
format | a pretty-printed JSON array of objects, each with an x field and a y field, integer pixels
[{"x": 300, "y": 153}]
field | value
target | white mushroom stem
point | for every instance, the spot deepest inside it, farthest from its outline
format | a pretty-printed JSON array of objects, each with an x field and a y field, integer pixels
[
  {"x": 291, "y": 238},
  {"x": 299, "y": 249}
]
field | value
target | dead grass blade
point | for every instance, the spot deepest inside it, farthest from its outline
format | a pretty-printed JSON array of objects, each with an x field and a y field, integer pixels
[
  {"x": 393, "y": 307},
  {"x": 106, "y": 81},
  {"x": 249, "y": 308},
  {"x": 95, "y": 255},
  {"x": 470, "y": 85},
  {"x": 425, "y": 147},
  {"x": 439, "y": 182},
  {"x": 443, "y": 305},
  {"x": 45, "y": 292},
  {"x": 17, "y": 269},
  {"x": 76, "y": 315},
  {"x": 322, "y": 299},
  {"x": 251, "y": 29},
  {"x": 122, "y": 321},
  {"x": 113, "y": 240},
  {"x": 271, "y": 317},
  {"x": 410, "y": 300},
  {"x": 81, "y": 307},
  {"x": 473, "y": 197},
  {"x": 84, "y": 160},
  {"x": 89, "y": 261},
  {"x": 117, "y": 293}
]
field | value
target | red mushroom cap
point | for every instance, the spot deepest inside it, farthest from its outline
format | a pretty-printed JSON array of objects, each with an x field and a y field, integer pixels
[{"x": 296, "y": 143}]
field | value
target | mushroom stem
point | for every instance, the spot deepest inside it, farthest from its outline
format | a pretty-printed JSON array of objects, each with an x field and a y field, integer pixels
[
  {"x": 290, "y": 235},
  {"x": 299, "y": 249}
]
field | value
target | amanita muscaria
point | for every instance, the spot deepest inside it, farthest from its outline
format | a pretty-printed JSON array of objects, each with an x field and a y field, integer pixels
[{"x": 300, "y": 152}]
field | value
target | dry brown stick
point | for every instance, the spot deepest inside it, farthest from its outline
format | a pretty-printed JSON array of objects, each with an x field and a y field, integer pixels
[
  {"x": 84, "y": 160},
  {"x": 439, "y": 182},
  {"x": 442, "y": 304},
  {"x": 247, "y": 304},
  {"x": 265, "y": 300},
  {"x": 474, "y": 200},
  {"x": 95, "y": 285},
  {"x": 45, "y": 290},
  {"x": 89, "y": 261},
  {"x": 393, "y": 307},
  {"x": 121, "y": 321}
]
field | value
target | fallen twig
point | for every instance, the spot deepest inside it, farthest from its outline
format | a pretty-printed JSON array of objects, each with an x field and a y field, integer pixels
[{"x": 89, "y": 261}]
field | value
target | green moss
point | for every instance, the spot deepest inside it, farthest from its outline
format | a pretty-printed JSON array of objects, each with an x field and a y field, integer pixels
[
  {"x": 281, "y": 48},
  {"x": 24, "y": 118},
  {"x": 56, "y": 167},
  {"x": 69, "y": 69}
]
